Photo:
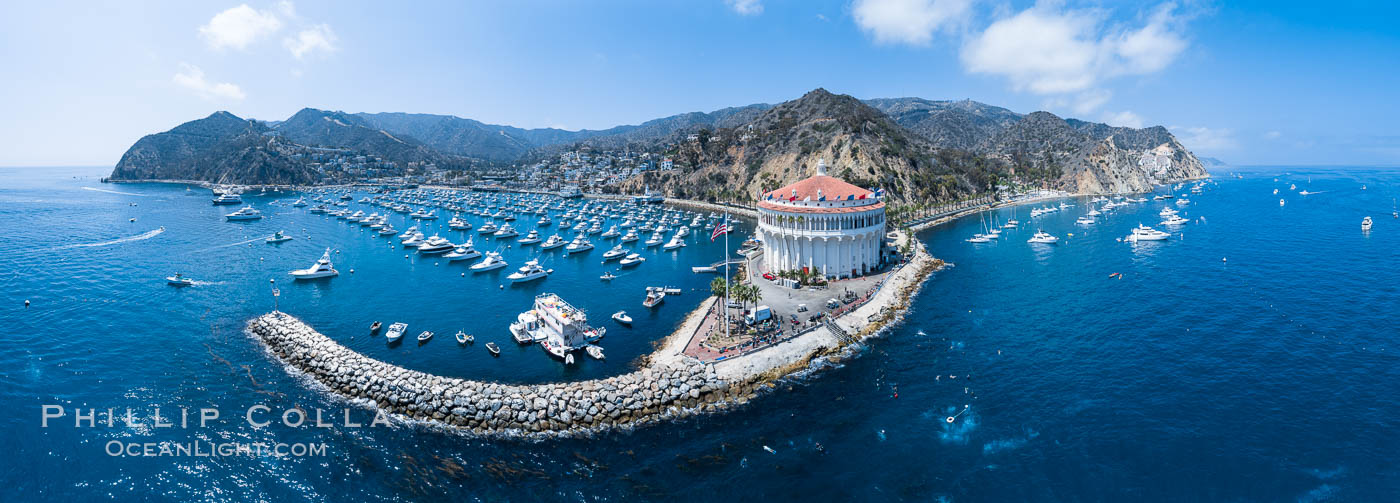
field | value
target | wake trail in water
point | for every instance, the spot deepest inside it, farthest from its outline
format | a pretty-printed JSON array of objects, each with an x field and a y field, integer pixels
[
  {"x": 110, "y": 191},
  {"x": 139, "y": 237},
  {"x": 229, "y": 245}
]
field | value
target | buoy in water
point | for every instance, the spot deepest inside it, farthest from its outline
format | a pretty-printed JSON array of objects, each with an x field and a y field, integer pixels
[
  {"x": 352, "y": 271},
  {"x": 951, "y": 419},
  {"x": 26, "y": 302}
]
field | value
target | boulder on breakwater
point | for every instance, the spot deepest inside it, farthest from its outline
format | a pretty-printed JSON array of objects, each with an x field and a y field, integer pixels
[{"x": 568, "y": 408}]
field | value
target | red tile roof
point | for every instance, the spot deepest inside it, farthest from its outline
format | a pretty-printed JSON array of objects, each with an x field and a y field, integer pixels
[
  {"x": 830, "y": 186},
  {"x": 793, "y": 208}
]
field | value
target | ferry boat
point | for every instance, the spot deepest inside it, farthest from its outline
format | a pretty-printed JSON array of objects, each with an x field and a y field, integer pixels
[
  {"x": 559, "y": 327},
  {"x": 492, "y": 262},
  {"x": 677, "y": 241},
  {"x": 531, "y": 238},
  {"x": 321, "y": 269},
  {"x": 246, "y": 213},
  {"x": 553, "y": 242},
  {"x": 655, "y": 296},
  {"x": 396, "y": 331},
  {"x": 227, "y": 198},
  {"x": 278, "y": 237},
  {"x": 615, "y": 252},
  {"x": 529, "y": 272},
  {"x": 435, "y": 244},
  {"x": 631, "y": 259},
  {"x": 1043, "y": 238},
  {"x": 579, "y": 244}
]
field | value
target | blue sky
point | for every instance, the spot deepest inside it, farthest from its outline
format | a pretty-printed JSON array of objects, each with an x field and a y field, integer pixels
[{"x": 1248, "y": 82}]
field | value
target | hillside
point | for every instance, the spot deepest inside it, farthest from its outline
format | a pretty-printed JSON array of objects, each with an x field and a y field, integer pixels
[{"x": 218, "y": 148}]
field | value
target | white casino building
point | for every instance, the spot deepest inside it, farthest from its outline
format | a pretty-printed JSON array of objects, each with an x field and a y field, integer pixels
[{"x": 822, "y": 224}]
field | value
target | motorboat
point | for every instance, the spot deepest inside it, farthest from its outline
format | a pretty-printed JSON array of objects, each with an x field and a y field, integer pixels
[
  {"x": 612, "y": 232},
  {"x": 492, "y": 261},
  {"x": 608, "y": 276},
  {"x": 1280, "y": 202},
  {"x": 178, "y": 280},
  {"x": 631, "y": 259},
  {"x": 654, "y": 240},
  {"x": 677, "y": 241},
  {"x": 374, "y": 328},
  {"x": 463, "y": 252},
  {"x": 464, "y": 338},
  {"x": 1042, "y": 237},
  {"x": 621, "y": 317},
  {"x": 227, "y": 198},
  {"x": 1175, "y": 220},
  {"x": 414, "y": 240},
  {"x": 544, "y": 221},
  {"x": 553, "y": 242},
  {"x": 321, "y": 269},
  {"x": 655, "y": 296},
  {"x": 979, "y": 238},
  {"x": 424, "y": 336},
  {"x": 245, "y": 213},
  {"x": 529, "y": 272},
  {"x": 531, "y": 238},
  {"x": 506, "y": 231},
  {"x": 1010, "y": 224},
  {"x": 594, "y": 351},
  {"x": 493, "y": 348},
  {"x": 579, "y": 244},
  {"x": 615, "y": 252},
  {"x": 1366, "y": 224},
  {"x": 435, "y": 244},
  {"x": 1166, "y": 212},
  {"x": 278, "y": 237},
  {"x": 1084, "y": 220},
  {"x": 387, "y": 231},
  {"x": 1145, "y": 233},
  {"x": 458, "y": 224},
  {"x": 396, "y": 331},
  {"x": 630, "y": 236},
  {"x": 299, "y": 203},
  {"x": 488, "y": 228},
  {"x": 408, "y": 233}
]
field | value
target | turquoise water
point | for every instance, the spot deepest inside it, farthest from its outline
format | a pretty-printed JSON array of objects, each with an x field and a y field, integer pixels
[{"x": 1263, "y": 377}]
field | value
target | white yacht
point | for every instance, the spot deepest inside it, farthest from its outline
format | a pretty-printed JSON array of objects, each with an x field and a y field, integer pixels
[
  {"x": 408, "y": 233},
  {"x": 1366, "y": 224},
  {"x": 630, "y": 236},
  {"x": 529, "y": 272},
  {"x": 655, "y": 296},
  {"x": 979, "y": 238},
  {"x": 435, "y": 244},
  {"x": 1166, "y": 212},
  {"x": 1084, "y": 220},
  {"x": 487, "y": 228},
  {"x": 1175, "y": 220},
  {"x": 463, "y": 252},
  {"x": 1010, "y": 224},
  {"x": 631, "y": 259},
  {"x": 1145, "y": 233},
  {"x": 396, "y": 331},
  {"x": 299, "y": 203},
  {"x": 579, "y": 244},
  {"x": 531, "y": 238},
  {"x": 611, "y": 233},
  {"x": 246, "y": 213},
  {"x": 413, "y": 240},
  {"x": 321, "y": 269},
  {"x": 458, "y": 224},
  {"x": 228, "y": 198},
  {"x": 492, "y": 262},
  {"x": 553, "y": 242},
  {"x": 1043, "y": 238},
  {"x": 615, "y": 252},
  {"x": 655, "y": 239},
  {"x": 677, "y": 241},
  {"x": 506, "y": 231}
]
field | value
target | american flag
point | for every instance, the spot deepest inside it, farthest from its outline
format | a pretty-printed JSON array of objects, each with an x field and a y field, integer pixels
[{"x": 719, "y": 229}]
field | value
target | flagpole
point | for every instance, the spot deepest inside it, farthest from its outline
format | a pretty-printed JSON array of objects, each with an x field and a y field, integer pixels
[{"x": 726, "y": 274}]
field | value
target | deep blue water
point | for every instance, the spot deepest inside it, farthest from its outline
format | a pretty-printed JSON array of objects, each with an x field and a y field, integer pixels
[{"x": 1269, "y": 376}]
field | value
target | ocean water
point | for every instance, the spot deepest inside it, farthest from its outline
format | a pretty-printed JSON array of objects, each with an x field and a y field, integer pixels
[{"x": 1266, "y": 376}]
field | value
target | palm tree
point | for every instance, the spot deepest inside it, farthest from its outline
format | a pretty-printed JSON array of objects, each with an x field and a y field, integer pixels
[
  {"x": 754, "y": 293},
  {"x": 718, "y": 287}
]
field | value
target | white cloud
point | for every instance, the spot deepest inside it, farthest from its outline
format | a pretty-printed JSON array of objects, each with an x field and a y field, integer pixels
[
  {"x": 310, "y": 40},
  {"x": 746, "y": 7},
  {"x": 192, "y": 78},
  {"x": 1200, "y": 138},
  {"x": 1272, "y": 135},
  {"x": 239, "y": 27},
  {"x": 910, "y": 22},
  {"x": 1125, "y": 118},
  {"x": 1053, "y": 51}
]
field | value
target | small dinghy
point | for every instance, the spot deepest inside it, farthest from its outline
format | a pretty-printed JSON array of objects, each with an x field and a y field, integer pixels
[
  {"x": 424, "y": 336},
  {"x": 374, "y": 328},
  {"x": 463, "y": 338},
  {"x": 493, "y": 348},
  {"x": 621, "y": 317},
  {"x": 569, "y": 359},
  {"x": 594, "y": 351}
]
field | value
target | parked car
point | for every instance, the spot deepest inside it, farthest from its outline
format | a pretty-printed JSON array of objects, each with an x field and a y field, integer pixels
[{"x": 769, "y": 276}]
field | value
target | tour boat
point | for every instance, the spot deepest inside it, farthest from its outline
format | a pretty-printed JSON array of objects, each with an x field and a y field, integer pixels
[
  {"x": 621, "y": 317},
  {"x": 615, "y": 252},
  {"x": 1366, "y": 224},
  {"x": 492, "y": 261},
  {"x": 655, "y": 296},
  {"x": 558, "y": 326},
  {"x": 594, "y": 351},
  {"x": 1043, "y": 238},
  {"x": 228, "y": 198},
  {"x": 631, "y": 259},
  {"x": 553, "y": 242},
  {"x": 579, "y": 244},
  {"x": 321, "y": 269},
  {"x": 396, "y": 331},
  {"x": 529, "y": 272},
  {"x": 278, "y": 237},
  {"x": 178, "y": 280},
  {"x": 435, "y": 244},
  {"x": 531, "y": 238},
  {"x": 493, "y": 348},
  {"x": 424, "y": 336},
  {"x": 245, "y": 213},
  {"x": 677, "y": 241}
]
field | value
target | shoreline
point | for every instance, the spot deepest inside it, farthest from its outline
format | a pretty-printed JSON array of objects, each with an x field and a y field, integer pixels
[{"x": 668, "y": 384}]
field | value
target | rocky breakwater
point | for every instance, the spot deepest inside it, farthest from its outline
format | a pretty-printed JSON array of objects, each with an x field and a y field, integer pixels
[{"x": 652, "y": 393}]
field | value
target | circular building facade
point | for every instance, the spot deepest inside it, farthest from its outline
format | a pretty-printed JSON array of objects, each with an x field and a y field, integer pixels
[{"x": 822, "y": 224}]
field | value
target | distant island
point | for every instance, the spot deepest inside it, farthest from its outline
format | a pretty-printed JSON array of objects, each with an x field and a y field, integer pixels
[{"x": 918, "y": 150}]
